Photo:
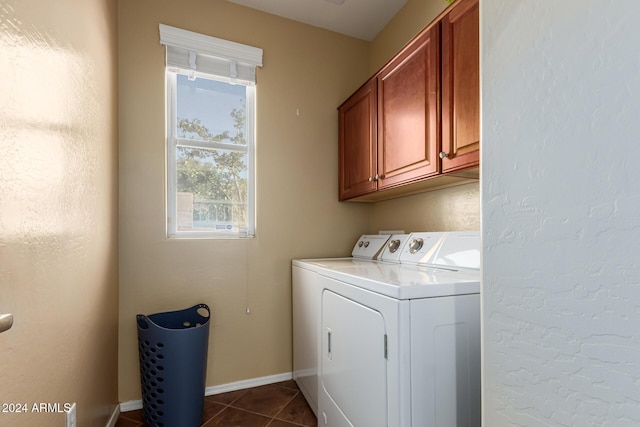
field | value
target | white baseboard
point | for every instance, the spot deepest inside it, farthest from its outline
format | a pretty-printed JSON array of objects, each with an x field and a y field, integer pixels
[
  {"x": 133, "y": 405},
  {"x": 254, "y": 382},
  {"x": 114, "y": 417}
]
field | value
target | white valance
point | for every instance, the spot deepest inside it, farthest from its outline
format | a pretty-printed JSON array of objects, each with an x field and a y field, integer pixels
[{"x": 198, "y": 52}]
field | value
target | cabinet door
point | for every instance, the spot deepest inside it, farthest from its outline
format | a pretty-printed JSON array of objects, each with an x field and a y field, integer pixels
[
  {"x": 357, "y": 143},
  {"x": 408, "y": 130},
  {"x": 461, "y": 87}
]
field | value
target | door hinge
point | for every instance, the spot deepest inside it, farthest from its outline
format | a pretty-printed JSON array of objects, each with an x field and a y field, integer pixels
[{"x": 385, "y": 346}]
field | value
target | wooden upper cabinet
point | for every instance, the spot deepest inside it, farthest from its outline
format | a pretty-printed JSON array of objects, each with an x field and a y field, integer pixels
[
  {"x": 461, "y": 86},
  {"x": 408, "y": 128},
  {"x": 415, "y": 125},
  {"x": 357, "y": 143}
]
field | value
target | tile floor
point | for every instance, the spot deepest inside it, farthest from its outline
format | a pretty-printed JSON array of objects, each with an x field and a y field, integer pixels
[{"x": 274, "y": 405}]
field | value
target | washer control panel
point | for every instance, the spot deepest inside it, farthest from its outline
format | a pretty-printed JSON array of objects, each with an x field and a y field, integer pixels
[
  {"x": 393, "y": 248},
  {"x": 451, "y": 250},
  {"x": 393, "y": 245},
  {"x": 421, "y": 247},
  {"x": 415, "y": 245},
  {"x": 461, "y": 249}
]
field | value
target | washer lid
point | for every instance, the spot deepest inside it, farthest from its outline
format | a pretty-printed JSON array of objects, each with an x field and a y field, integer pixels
[{"x": 369, "y": 246}]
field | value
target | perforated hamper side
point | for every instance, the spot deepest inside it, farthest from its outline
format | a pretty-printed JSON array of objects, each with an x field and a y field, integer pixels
[{"x": 173, "y": 366}]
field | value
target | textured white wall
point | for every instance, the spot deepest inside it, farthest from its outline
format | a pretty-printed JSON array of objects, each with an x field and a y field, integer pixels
[{"x": 560, "y": 198}]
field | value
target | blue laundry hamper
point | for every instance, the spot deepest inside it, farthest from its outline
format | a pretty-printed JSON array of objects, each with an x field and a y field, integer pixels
[{"x": 173, "y": 366}]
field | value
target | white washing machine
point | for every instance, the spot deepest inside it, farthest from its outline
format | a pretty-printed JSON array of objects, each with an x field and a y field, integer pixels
[{"x": 396, "y": 344}]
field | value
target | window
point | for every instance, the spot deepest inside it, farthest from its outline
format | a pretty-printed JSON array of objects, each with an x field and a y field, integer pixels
[{"x": 210, "y": 135}]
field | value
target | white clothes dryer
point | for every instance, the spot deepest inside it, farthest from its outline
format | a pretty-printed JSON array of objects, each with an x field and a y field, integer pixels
[
  {"x": 306, "y": 304},
  {"x": 398, "y": 345}
]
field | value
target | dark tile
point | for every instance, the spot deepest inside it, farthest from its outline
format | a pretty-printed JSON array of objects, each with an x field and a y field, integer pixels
[
  {"x": 267, "y": 400},
  {"x": 280, "y": 423},
  {"x": 298, "y": 411},
  {"x": 232, "y": 417},
  {"x": 226, "y": 398},
  {"x": 288, "y": 384},
  {"x": 211, "y": 409},
  {"x": 253, "y": 407},
  {"x": 124, "y": 422},
  {"x": 136, "y": 415}
]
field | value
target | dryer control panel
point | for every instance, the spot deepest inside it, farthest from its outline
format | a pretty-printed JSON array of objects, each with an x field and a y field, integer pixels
[{"x": 369, "y": 246}]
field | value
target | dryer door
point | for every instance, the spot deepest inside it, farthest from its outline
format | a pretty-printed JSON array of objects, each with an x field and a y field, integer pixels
[{"x": 353, "y": 367}]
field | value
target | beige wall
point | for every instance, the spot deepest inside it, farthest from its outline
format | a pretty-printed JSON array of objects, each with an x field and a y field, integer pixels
[
  {"x": 453, "y": 208},
  {"x": 408, "y": 22},
  {"x": 305, "y": 68},
  {"x": 58, "y": 220},
  {"x": 299, "y": 214}
]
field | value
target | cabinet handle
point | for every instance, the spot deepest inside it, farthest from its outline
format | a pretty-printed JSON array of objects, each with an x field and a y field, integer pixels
[
  {"x": 370, "y": 179},
  {"x": 378, "y": 177},
  {"x": 443, "y": 154}
]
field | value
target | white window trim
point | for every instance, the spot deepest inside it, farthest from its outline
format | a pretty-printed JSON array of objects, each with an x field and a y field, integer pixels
[
  {"x": 208, "y": 50},
  {"x": 211, "y": 46}
]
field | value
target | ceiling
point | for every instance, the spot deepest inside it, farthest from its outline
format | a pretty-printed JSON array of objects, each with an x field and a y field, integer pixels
[{"x": 362, "y": 19}]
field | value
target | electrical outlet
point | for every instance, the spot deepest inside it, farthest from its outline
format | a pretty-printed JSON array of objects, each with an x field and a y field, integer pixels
[{"x": 71, "y": 416}]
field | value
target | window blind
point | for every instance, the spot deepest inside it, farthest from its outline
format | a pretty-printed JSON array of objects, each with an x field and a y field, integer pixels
[{"x": 200, "y": 53}]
